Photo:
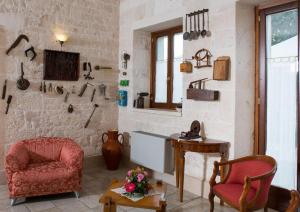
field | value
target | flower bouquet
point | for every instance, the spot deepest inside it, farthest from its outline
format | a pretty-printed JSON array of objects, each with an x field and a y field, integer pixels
[{"x": 136, "y": 184}]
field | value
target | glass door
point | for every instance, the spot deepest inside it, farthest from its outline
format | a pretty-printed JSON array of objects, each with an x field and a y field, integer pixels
[{"x": 279, "y": 97}]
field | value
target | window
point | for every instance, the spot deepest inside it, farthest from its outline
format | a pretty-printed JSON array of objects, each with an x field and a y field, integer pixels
[{"x": 166, "y": 78}]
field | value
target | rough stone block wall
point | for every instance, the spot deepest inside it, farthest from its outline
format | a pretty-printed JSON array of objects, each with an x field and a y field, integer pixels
[{"x": 93, "y": 30}]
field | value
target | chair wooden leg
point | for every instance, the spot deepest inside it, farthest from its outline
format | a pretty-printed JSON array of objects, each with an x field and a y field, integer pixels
[
  {"x": 211, "y": 200},
  {"x": 243, "y": 209},
  {"x": 266, "y": 209}
]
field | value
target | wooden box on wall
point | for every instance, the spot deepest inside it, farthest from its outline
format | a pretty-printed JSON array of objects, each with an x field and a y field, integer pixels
[
  {"x": 186, "y": 67},
  {"x": 221, "y": 68},
  {"x": 60, "y": 65},
  {"x": 202, "y": 94}
]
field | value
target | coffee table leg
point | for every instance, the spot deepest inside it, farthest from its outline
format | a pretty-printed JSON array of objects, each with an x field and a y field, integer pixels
[
  {"x": 162, "y": 205},
  {"x": 177, "y": 165},
  {"x": 109, "y": 205},
  {"x": 181, "y": 181}
]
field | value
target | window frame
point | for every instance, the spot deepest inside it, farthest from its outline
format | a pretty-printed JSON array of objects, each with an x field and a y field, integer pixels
[{"x": 154, "y": 36}]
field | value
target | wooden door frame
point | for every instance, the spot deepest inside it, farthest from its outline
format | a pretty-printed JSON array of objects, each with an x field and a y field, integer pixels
[{"x": 260, "y": 95}]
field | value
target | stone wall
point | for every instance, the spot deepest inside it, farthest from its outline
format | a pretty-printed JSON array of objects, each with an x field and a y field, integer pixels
[
  {"x": 229, "y": 119},
  {"x": 93, "y": 30}
]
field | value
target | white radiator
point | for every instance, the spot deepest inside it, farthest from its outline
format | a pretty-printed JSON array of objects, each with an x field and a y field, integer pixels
[{"x": 152, "y": 151}]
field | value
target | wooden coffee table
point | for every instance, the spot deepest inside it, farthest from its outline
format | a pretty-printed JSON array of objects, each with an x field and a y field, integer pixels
[{"x": 110, "y": 199}]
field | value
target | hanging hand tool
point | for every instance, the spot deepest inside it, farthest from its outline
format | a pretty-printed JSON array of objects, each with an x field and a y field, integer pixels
[
  {"x": 8, "y": 103},
  {"x": 50, "y": 87},
  {"x": 4, "y": 89},
  {"x": 70, "y": 108},
  {"x": 16, "y": 43},
  {"x": 73, "y": 90},
  {"x": 83, "y": 88},
  {"x": 45, "y": 87},
  {"x": 84, "y": 66},
  {"x": 93, "y": 94},
  {"x": 30, "y": 52},
  {"x": 88, "y": 75},
  {"x": 88, "y": 121},
  {"x": 22, "y": 83},
  {"x": 67, "y": 96},
  {"x": 59, "y": 90}
]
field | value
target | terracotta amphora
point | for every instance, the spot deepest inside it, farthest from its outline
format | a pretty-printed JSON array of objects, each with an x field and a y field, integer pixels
[{"x": 111, "y": 149}]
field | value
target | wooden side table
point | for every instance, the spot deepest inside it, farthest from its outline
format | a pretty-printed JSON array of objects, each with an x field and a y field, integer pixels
[
  {"x": 110, "y": 199},
  {"x": 207, "y": 146}
]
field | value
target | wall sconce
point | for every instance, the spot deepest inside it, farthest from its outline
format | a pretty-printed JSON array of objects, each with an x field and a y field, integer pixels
[{"x": 61, "y": 38}]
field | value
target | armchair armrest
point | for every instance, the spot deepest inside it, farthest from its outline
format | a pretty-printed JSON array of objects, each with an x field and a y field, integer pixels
[
  {"x": 72, "y": 155},
  {"x": 17, "y": 158},
  {"x": 216, "y": 170},
  {"x": 247, "y": 185}
]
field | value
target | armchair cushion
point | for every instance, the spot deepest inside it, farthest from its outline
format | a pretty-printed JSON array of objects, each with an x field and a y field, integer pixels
[
  {"x": 250, "y": 168},
  {"x": 17, "y": 157},
  {"x": 43, "y": 172},
  {"x": 70, "y": 153},
  {"x": 232, "y": 192},
  {"x": 44, "y": 149}
]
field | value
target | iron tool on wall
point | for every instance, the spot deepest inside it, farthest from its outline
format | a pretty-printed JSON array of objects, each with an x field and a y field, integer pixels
[
  {"x": 22, "y": 83},
  {"x": 8, "y": 103},
  {"x": 17, "y": 41},
  {"x": 30, "y": 53},
  {"x": 88, "y": 121},
  {"x": 125, "y": 57},
  {"x": 4, "y": 89},
  {"x": 70, "y": 108},
  {"x": 88, "y": 75}
]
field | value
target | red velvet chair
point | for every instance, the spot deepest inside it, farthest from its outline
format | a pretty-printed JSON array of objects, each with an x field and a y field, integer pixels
[
  {"x": 43, "y": 166},
  {"x": 246, "y": 185}
]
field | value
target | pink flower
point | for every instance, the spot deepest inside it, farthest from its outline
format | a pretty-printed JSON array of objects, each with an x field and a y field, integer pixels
[
  {"x": 130, "y": 187},
  {"x": 145, "y": 173},
  {"x": 138, "y": 169},
  {"x": 129, "y": 173},
  {"x": 140, "y": 177}
]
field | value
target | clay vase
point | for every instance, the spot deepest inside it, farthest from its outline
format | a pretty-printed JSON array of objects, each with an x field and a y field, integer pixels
[{"x": 111, "y": 149}]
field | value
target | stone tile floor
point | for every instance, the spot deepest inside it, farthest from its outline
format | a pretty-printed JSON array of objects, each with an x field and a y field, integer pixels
[{"x": 95, "y": 180}]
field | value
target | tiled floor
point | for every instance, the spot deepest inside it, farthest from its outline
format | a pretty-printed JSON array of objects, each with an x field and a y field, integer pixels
[{"x": 95, "y": 181}]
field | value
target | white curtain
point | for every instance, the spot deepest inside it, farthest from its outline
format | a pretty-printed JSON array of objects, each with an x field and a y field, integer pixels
[{"x": 282, "y": 119}]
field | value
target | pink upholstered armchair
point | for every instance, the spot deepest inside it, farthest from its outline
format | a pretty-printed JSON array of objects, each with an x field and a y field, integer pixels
[
  {"x": 43, "y": 166},
  {"x": 246, "y": 186}
]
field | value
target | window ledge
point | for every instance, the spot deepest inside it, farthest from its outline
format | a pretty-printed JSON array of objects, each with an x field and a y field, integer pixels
[{"x": 163, "y": 112}]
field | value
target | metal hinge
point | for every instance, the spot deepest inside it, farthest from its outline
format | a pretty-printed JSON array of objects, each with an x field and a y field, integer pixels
[
  {"x": 259, "y": 18},
  {"x": 258, "y": 101}
]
